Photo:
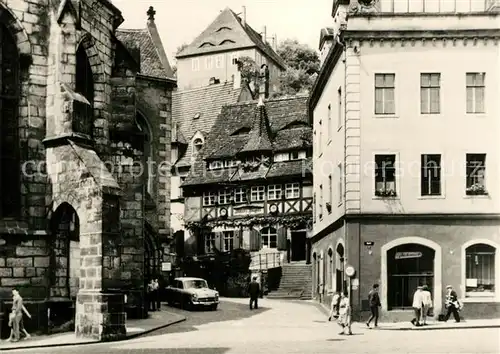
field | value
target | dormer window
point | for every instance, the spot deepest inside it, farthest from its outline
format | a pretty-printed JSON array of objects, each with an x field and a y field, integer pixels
[
  {"x": 226, "y": 41},
  {"x": 223, "y": 28},
  {"x": 198, "y": 145},
  {"x": 197, "y": 116}
]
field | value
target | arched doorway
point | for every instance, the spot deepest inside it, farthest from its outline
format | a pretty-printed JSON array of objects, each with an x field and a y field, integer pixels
[
  {"x": 408, "y": 266},
  {"x": 339, "y": 268},
  {"x": 65, "y": 256}
]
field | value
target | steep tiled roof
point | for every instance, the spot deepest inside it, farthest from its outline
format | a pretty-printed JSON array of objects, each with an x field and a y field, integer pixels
[
  {"x": 227, "y": 32},
  {"x": 259, "y": 137},
  {"x": 151, "y": 64},
  {"x": 289, "y": 129},
  {"x": 197, "y": 110}
]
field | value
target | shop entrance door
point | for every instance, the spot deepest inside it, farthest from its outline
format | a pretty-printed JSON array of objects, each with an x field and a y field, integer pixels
[{"x": 408, "y": 266}]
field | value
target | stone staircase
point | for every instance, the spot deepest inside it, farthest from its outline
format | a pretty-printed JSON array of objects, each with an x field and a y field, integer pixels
[{"x": 295, "y": 283}]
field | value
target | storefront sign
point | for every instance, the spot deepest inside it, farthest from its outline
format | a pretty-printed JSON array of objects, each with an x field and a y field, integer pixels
[
  {"x": 248, "y": 211},
  {"x": 166, "y": 267},
  {"x": 405, "y": 255},
  {"x": 369, "y": 243}
]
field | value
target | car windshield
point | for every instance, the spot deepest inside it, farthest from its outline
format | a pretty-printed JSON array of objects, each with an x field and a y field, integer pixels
[{"x": 197, "y": 284}]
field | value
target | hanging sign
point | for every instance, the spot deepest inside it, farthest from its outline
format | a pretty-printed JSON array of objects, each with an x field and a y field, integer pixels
[
  {"x": 406, "y": 255},
  {"x": 369, "y": 243},
  {"x": 166, "y": 267},
  {"x": 349, "y": 271}
]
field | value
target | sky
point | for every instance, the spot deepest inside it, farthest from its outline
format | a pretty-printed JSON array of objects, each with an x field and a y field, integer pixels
[{"x": 181, "y": 21}]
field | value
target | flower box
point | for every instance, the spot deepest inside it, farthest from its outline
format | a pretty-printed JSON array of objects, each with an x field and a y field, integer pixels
[
  {"x": 385, "y": 193},
  {"x": 476, "y": 189}
]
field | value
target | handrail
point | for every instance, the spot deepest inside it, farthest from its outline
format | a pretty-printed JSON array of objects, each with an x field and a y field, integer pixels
[{"x": 266, "y": 260}]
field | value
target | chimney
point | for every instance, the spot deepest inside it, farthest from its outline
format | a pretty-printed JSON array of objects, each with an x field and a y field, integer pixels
[
  {"x": 244, "y": 16},
  {"x": 264, "y": 34},
  {"x": 276, "y": 41},
  {"x": 273, "y": 43},
  {"x": 264, "y": 82}
]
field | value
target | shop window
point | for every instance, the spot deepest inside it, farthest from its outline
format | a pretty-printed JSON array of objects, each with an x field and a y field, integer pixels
[{"x": 480, "y": 270}]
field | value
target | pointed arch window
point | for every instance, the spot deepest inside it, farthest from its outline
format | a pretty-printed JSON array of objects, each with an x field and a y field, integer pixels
[
  {"x": 10, "y": 180},
  {"x": 147, "y": 148},
  {"x": 83, "y": 112}
]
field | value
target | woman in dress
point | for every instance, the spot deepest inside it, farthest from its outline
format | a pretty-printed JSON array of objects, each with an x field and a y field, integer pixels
[{"x": 345, "y": 313}]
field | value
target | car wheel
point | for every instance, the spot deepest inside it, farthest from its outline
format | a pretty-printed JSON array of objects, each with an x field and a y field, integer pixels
[{"x": 213, "y": 308}]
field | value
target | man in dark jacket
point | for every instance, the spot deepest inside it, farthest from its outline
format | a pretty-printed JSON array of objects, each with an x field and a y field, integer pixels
[
  {"x": 374, "y": 302},
  {"x": 452, "y": 304},
  {"x": 254, "y": 292}
]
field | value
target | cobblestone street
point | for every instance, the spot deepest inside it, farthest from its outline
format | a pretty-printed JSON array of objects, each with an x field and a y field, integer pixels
[{"x": 287, "y": 327}]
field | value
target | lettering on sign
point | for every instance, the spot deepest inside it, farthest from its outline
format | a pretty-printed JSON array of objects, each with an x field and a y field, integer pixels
[
  {"x": 248, "y": 211},
  {"x": 405, "y": 255}
]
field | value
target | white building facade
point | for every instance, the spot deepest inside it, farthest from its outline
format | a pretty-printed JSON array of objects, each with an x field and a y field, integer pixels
[{"x": 407, "y": 156}]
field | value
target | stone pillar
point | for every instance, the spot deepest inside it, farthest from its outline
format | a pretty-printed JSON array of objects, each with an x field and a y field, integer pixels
[{"x": 100, "y": 314}]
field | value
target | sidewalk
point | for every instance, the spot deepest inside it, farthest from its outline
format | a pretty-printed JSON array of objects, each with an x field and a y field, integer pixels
[
  {"x": 135, "y": 328},
  {"x": 431, "y": 324}
]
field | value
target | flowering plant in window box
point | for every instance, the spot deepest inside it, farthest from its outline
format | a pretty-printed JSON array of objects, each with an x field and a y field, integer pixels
[
  {"x": 385, "y": 193},
  {"x": 476, "y": 189},
  {"x": 329, "y": 207}
]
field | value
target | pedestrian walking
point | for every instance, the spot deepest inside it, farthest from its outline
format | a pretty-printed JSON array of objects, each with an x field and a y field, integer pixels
[
  {"x": 374, "y": 302},
  {"x": 452, "y": 304},
  {"x": 156, "y": 289},
  {"x": 417, "y": 306},
  {"x": 254, "y": 292},
  {"x": 334, "y": 306},
  {"x": 150, "y": 296},
  {"x": 345, "y": 313},
  {"x": 427, "y": 303},
  {"x": 15, "y": 316}
]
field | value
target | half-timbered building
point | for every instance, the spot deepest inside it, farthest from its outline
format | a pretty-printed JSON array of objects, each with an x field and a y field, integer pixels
[{"x": 251, "y": 187}]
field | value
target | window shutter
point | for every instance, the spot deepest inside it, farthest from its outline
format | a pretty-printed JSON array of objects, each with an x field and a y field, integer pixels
[
  {"x": 282, "y": 239},
  {"x": 237, "y": 239},
  {"x": 219, "y": 241},
  {"x": 255, "y": 240}
]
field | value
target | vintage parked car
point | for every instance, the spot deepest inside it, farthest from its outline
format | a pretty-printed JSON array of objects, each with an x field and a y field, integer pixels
[{"x": 192, "y": 292}]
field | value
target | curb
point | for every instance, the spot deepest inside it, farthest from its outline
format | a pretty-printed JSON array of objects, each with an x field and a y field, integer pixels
[
  {"x": 438, "y": 328},
  {"x": 132, "y": 336},
  {"x": 323, "y": 308}
]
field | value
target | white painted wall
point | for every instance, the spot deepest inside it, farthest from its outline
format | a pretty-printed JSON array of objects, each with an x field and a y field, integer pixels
[{"x": 452, "y": 133}]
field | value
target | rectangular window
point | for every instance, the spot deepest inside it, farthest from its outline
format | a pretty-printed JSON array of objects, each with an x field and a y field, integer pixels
[
  {"x": 292, "y": 190},
  {"x": 215, "y": 165},
  {"x": 228, "y": 239},
  {"x": 385, "y": 175},
  {"x": 430, "y": 176},
  {"x": 430, "y": 97},
  {"x": 274, "y": 192},
  {"x": 320, "y": 201},
  {"x": 210, "y": 242},
  {"x": 225, "y": 196},
  {"x": 294, "y": 155},
  {"x": 479, "y": 270},
  {"x": 240, "y": 195},
  {"x": 209, "y": 62},
  {"x": 257, "y": 193},
  {"x": 320, "y": 132},
  {"x": 269, "y": 238},
  {"x": 195, "y": 64},
  {"x": 384, "y": 94},
  {"x": 476, "y": 172},
  {"x": 329, "y": 122},
  {"x": 339, "y": 108},
  {"x": 330, "y": 194},
  {"x": 340, "y": 183},
  {"x": 475, "y": 92},
  {"x": 209, "y": 198},
  {"x": 234, "y": 58},
  {"x": 219, "y": 61}
]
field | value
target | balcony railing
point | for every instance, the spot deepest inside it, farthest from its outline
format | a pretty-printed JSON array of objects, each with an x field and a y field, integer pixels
[
  {"x": 437, "y": 6},
  {"x": 263, "y": 261}
]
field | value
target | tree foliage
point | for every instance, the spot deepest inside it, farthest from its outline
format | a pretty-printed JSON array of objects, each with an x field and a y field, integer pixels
[
  {"x": 248, "y": 68},
  {"x": 179, "y": 49},
  {"x": 303, "y": 66}
]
